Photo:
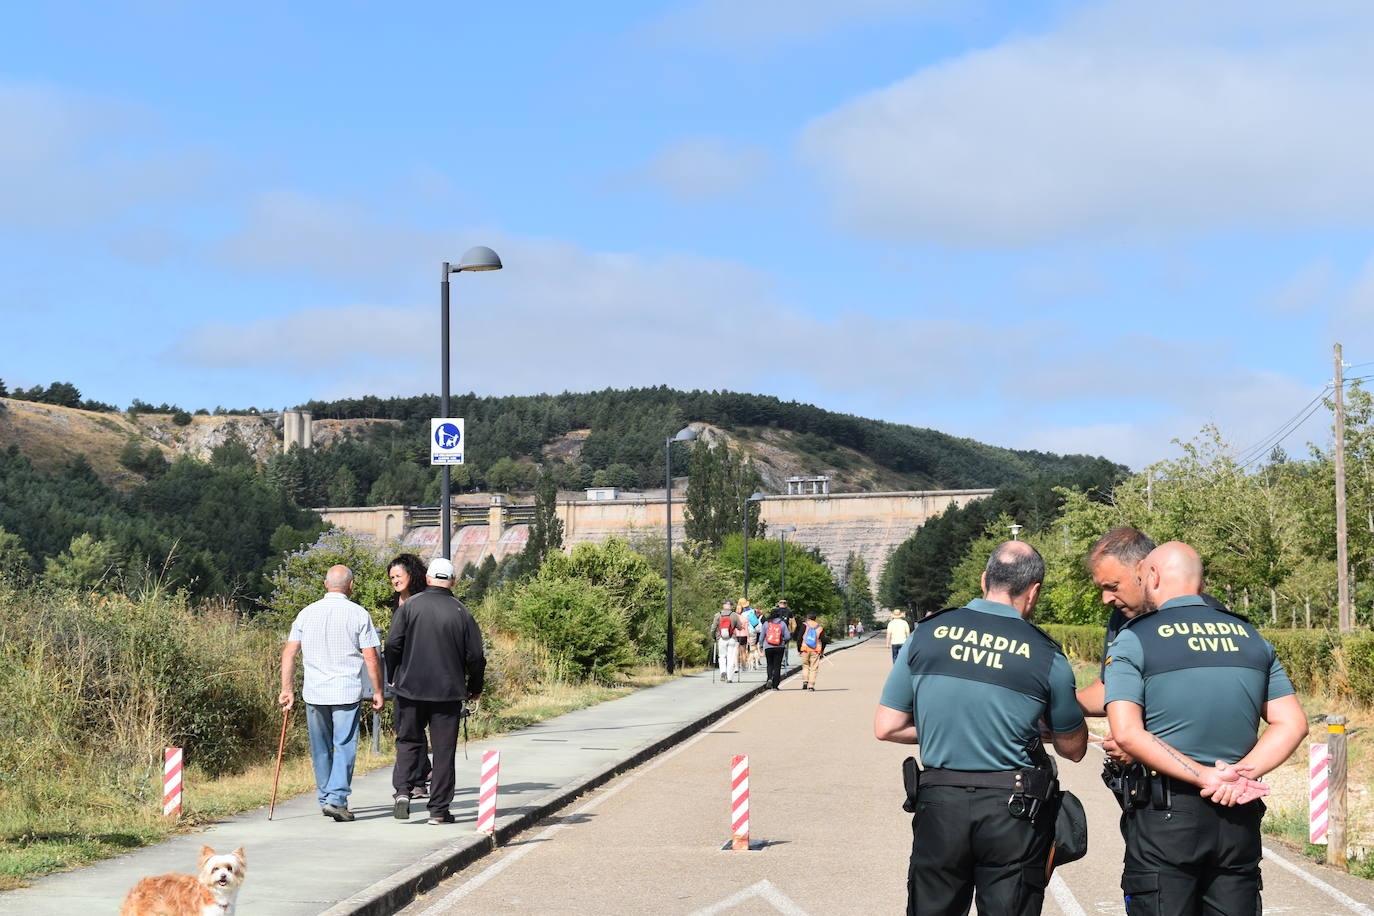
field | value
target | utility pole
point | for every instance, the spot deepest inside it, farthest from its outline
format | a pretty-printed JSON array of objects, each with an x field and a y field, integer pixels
[{"x": 1342, "y": 549}]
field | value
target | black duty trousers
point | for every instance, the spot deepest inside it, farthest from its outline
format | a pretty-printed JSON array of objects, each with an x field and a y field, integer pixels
[
  {"x": 1196, "y": 858},
  {"x": 773, "y": 655},
  {"x": 412, "y": 718},
  {"x": 965, "y": 838}
]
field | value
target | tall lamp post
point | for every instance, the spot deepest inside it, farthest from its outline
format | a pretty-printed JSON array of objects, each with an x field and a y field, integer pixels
[
  {"x": 744, "y": 506},
  {"x": 782, "y": 559},
  {"x": 478, "y": 257},
  {"x": 686, "y": 434}
]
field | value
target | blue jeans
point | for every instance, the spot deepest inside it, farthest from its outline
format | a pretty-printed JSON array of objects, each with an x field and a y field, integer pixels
[
  {"x": 333, "y": 749},
  {"x": 896, "y": 650}
]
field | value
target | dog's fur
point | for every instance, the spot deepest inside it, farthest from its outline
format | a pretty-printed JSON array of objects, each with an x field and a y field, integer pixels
[{"x": 211, "y": 892}]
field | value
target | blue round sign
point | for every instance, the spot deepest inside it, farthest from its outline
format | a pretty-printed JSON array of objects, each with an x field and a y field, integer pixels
[{"x": 447, "y": 436}]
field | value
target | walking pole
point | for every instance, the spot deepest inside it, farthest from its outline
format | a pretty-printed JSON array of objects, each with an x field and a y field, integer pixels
[{"x": 281, "y": 747}]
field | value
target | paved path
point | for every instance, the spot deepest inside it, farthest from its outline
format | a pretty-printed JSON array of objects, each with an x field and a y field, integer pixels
[
  {"x": 825, "y": 802},
  {"x": 303, "y": 863},
  {"x": 825, "y": 798}
]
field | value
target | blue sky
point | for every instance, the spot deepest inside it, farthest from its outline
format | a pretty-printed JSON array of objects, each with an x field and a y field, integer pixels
[{"x": 1086, "y": 227}]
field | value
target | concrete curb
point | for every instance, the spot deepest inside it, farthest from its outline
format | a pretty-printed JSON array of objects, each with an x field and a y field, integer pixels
[{"x": 398, "y": 890}]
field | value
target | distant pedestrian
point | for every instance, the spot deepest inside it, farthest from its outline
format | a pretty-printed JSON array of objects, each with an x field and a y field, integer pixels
[
  {"x": 812, "y": 644},
  {"x": 774, "y": 636},
  {"x": 339, "y": 642},
  {"x": 407, "y": 575},
  {"x": 434, "y": 651},
  {"x": 897, "y": 633},
  {"x": 723, "y": 627},
  {"x": 754, "y": 623}
]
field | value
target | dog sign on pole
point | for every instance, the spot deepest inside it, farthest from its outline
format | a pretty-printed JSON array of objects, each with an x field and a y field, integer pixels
[{"x": 446, "y": 440}]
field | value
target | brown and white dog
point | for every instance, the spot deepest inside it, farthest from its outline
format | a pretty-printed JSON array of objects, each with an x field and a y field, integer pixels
[{"x": 211, "y": 892}]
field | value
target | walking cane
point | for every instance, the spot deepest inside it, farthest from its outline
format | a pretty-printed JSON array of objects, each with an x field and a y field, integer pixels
[{"x": 281, "y": 746}]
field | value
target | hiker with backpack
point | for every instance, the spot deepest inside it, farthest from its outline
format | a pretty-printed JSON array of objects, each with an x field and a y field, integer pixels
[
  {"x": 774, "y": 636},
  {"x": 754, "y": 654},
  {"x": 723, "y": 627},
  {"x": 812, "y": 648}
]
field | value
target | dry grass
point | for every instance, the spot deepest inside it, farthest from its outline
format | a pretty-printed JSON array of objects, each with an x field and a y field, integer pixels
[
  {"x": 104, "y": 828},
  {"x": 1288, "y": 816}
]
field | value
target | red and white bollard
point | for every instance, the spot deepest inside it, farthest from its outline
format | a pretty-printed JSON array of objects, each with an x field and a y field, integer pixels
[
  {"x": 171, "y": 782},
  {"x": 1318, "y": 763},
  {"x": 739, "y": 803},
  {"x": 486, "y": 794}
]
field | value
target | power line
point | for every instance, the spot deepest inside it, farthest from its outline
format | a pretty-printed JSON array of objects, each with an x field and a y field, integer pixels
[{"x": 1263, "y": 447}]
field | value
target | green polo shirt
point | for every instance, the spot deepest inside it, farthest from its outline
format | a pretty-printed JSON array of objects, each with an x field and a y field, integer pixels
[
  {"x": 967, "y": 724},
  {"x": 1201, "y": 676}
]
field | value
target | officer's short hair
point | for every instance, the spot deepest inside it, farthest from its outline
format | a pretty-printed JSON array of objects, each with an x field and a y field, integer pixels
[
  {"x": 1129, "y": 545},
  {"x": 1014, "y": 569}
]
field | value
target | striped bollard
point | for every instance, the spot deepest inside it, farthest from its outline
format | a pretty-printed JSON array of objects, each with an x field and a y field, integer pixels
[
  {"x": 486, "y": 794},
  {"x": 1317, "y": 771},
  {"x": 739, "y": 803},
  {"x": 171, "y": 782}
]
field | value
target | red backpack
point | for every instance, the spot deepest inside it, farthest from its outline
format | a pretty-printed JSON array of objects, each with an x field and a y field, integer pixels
[
  {"x": 725, "y": 626},
  {"x": 772, "y": 634}
]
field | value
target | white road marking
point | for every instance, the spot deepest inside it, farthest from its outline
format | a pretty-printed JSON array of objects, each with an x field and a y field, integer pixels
[
  {"x": 764, "y": 889},
  {"x": 1064, "y": 897},
  {"x": 532, "y": 844},
  {"x": 1336, "y": 893}
]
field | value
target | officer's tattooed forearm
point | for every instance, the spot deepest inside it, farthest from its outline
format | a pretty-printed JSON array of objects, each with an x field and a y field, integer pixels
[{"x": 1182, "y": 761}]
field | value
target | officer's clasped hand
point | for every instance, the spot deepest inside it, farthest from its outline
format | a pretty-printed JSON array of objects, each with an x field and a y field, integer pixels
[
  {"x": 1114, "y": 751},
  {"x": 1228, "y": 785}
]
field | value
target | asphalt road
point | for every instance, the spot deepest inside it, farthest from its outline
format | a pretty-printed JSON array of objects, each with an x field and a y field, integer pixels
[{"x": 825, "y": 811}]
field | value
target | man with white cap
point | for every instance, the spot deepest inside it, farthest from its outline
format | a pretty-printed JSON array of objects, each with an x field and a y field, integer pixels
[{"x": 434, "y": 651}]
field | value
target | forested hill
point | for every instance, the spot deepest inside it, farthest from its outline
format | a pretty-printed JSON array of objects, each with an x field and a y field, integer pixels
[{"x": 622, "y": 434}]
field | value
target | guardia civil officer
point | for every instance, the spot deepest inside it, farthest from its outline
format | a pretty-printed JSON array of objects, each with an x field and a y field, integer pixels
[
  {"x": 1186, "y": 685},
  {"x": 1112, "y": 563},
  {"x": 971, "y": 686}
]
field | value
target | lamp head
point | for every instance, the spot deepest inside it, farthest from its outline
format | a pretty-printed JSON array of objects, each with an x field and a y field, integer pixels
[
  {"x": 686, "y": 434},
  {"x": 479, "y": 257},
  {"x": 757, "y": 495}
]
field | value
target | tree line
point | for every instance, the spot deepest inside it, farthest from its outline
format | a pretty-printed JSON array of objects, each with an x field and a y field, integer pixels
[{"x": 1265, "y": 526}]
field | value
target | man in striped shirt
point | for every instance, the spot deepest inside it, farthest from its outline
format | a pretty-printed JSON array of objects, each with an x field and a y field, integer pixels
[{"x": 338, "y": 639}]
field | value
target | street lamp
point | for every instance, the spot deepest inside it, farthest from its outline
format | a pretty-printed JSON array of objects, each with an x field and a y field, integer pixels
[
  {"x": 744, "y": 511},
  {"x": 1015, "y": 530},
  {"x": 478, "y": 257},
  {"x": 686, "y": 434},
  {"x": 782, "y": 559}
]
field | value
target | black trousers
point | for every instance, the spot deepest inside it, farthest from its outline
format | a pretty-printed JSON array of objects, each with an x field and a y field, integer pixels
[
  {"x": 412, "y": 718},
  {"x": 964, "y": 839},
  {"x": 1195, "y": 858},
  {"x": 773, "y": 655}
]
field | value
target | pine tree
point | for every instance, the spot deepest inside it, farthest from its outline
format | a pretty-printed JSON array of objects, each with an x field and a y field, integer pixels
[
  {"x": 546, "y": 534},
  {"x": 719, "y": 484}
]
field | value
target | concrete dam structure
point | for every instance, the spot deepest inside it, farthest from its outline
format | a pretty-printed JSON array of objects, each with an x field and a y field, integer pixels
[{"x": 869, "y": 524}]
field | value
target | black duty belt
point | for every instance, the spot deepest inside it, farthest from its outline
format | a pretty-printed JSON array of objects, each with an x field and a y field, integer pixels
[{"x": 967, "y": 779}]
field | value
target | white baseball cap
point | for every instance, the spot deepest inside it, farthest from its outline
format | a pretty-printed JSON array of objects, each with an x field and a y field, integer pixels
[{"x": 440, "y": 568}]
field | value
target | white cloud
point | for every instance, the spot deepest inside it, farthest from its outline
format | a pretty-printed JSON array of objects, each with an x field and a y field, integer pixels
[
  {"x": 71, "y": 161},
  {"x": 1308, "y": 289},
  {"x": 755, "y": 23},
  {"x": 286, "y": 231},
  {"x": 697, "y": 168},
  {"x": 1131, "y": 118},
  {"x": 560, "y": 317}
]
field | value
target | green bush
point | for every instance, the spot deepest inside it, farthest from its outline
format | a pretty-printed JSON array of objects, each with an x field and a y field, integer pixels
[
  {"x": 1358, "y": 649},
  {"x": 1081, "y": 643},
  {"x": 300, "y": 578},
  {"x": 98, "y": 685},
  {"x": 578, "y": 624}
]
